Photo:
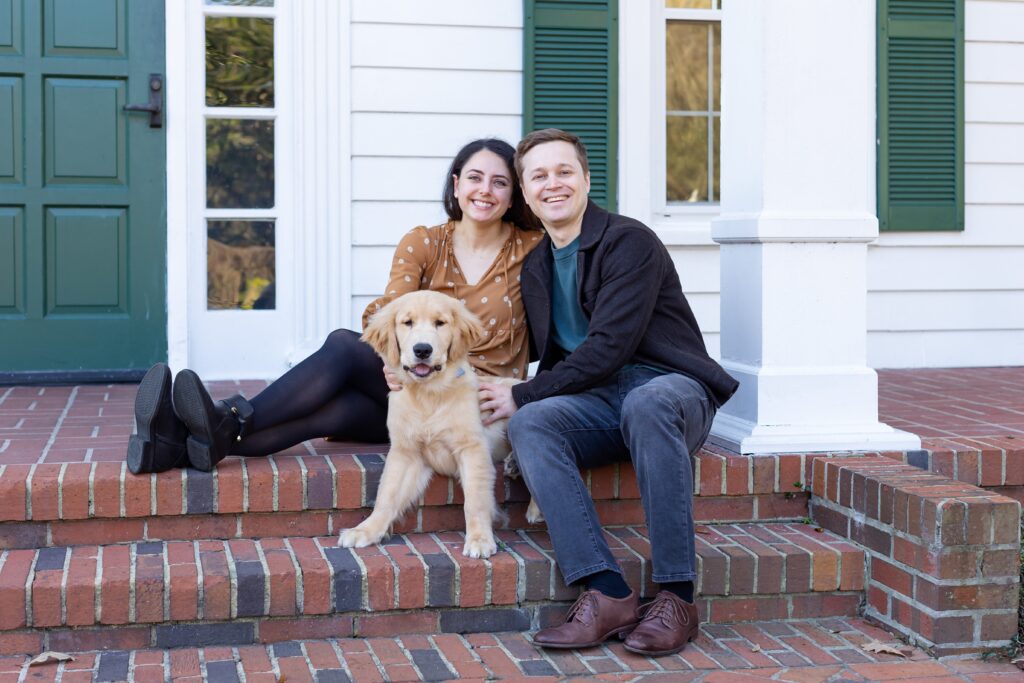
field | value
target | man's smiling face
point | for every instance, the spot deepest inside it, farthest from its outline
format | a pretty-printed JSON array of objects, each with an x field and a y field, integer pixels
[{"x": 554, "y": 184}]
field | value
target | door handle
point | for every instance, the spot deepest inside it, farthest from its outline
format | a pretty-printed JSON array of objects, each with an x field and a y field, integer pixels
[{"x": 155, "y": 106}]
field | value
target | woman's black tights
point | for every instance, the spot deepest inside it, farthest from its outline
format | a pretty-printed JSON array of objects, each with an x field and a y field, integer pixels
[{"x": 338, "y": 391}]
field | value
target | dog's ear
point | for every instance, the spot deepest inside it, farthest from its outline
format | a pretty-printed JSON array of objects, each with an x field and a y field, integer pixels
[
  {"x": 468, "y": 331},
  {"x": 380, "y": 335}
]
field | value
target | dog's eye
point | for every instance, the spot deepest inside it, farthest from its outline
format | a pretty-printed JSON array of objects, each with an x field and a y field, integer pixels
[
  {"x": 439, "y": 323},
  {"x": 408, "y": 323}
]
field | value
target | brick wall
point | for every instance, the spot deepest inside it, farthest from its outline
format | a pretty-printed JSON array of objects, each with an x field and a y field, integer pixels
[{"x": 942, "y": 555}]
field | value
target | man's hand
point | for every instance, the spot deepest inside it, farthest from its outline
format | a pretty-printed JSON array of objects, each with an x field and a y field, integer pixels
[
  {"x": 497, "y": 398},
  {"x": 392, "y": 379}
]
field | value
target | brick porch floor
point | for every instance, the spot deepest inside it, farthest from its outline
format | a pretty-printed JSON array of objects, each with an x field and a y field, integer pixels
[
  {"x": 811, "y": 651},
  {"x": 959, "y": 408}
]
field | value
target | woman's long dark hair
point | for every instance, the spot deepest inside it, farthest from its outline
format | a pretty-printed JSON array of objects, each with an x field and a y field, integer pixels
[{"x": 518, "y": 212}]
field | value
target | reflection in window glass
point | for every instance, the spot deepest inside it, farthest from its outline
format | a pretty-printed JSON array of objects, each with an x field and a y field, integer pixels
[
  {"x": 692, "y": 89},
  {"x": 239, "y": 62},
  {"x": 242, "y": 3},
  {"x": 686, "y": 66},
  {"x": 690, "y": 4},
  {"x": 240, "y": 265},
  {"x": 239, "y": 164},
  {"x": 687, "y": 153}
]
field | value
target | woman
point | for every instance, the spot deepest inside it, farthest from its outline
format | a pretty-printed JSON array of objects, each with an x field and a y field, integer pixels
[{"x": 340, "y": 390}]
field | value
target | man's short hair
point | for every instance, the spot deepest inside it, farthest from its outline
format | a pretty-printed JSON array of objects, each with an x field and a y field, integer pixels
[{"x": 539, "y": 137}]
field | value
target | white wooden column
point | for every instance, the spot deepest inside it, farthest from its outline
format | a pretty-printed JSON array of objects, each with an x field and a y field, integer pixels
[
  {"x": 798, "y": 210},
  {"x": 320, "y": 186}
]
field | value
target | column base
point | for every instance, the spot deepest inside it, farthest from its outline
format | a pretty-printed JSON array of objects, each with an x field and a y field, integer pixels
[{"x": 744, "y": 436}]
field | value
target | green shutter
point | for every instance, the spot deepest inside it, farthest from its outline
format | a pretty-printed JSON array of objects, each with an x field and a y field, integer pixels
[
  {"x": 570, "y": 69},
  {"x": 921, "y": 114}
]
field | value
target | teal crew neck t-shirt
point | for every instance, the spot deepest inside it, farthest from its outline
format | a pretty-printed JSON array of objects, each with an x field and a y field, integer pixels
[{"x": 568, "y": 323}]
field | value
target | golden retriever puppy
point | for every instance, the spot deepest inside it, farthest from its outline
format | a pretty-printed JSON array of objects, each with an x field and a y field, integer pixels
[{"x": 434, "y": 423}]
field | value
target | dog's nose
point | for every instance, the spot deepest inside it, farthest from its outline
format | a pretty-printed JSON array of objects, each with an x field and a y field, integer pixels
[{"x": 422, "y": 351}]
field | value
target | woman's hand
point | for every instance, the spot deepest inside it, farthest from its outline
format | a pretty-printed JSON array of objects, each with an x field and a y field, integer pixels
[
  {"x": 498, "y": 398},
  {"x": 391, "y": 379}
]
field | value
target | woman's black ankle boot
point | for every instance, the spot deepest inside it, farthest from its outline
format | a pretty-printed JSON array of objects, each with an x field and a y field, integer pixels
[
  {"x": 213, "y": 426},
  {"x": 158, "y": 443}
]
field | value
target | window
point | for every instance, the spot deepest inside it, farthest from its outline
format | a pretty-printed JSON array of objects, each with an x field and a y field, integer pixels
[
  {"x": 693, "y": 39},
  {"x": 240, "y": 119}
]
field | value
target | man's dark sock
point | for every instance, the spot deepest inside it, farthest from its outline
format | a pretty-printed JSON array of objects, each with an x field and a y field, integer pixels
[
  {"x": 608, "y": 582},
  {"x": 683, "y": 589}
]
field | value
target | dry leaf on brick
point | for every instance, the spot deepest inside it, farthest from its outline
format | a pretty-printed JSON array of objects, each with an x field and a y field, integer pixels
[
  {"x": 50, "y": 656},
  {"x": 882, "y": 648},
  {"x": 701, "y": 529}
]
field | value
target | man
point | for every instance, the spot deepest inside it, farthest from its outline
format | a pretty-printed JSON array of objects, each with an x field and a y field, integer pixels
[{"x": 623, "y": 375}]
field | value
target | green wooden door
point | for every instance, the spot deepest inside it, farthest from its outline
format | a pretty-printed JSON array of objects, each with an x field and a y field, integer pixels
[{"x": 82, "y": 215}]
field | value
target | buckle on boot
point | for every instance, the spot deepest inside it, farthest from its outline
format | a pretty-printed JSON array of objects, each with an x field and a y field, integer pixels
[{"x": 242, "y": 412}]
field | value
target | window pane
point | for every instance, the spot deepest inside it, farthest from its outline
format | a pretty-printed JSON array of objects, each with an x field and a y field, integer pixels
[
  {"x": 687, "y": 159},
  {"x": 239, "y": 62},
  {"x": 689, "y": 4},
  {"x": 239, "y": 164},
  {"x": 716, "y": 192},
  {"x": 716, "y": 66},
  {"x": 242, "y": 3},
  {"x": 686, "y": 66},
  {"x": 240, "y": 265}
]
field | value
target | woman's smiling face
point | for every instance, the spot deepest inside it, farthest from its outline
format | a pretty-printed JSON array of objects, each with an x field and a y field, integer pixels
[{"x": 484, "y": 187}]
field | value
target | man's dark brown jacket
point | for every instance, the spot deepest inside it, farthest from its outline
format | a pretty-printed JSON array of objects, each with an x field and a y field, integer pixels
[{"x": 630, "y": 292}]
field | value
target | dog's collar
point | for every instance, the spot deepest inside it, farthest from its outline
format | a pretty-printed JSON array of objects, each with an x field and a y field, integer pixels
[{"x": 460, "y": 372}]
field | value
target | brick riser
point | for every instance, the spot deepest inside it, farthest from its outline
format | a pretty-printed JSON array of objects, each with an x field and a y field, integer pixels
[
  {"x": 309, "y": 523},
  {"x": 279, "y": 589},
  {"x": 98, "y": 503}
]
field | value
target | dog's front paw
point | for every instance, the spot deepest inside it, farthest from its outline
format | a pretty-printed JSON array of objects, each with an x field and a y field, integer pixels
[
  {"x": 357, "y": 538},
  {"x": 533, "y": 513},
  {"x": 481, "y": 545}
]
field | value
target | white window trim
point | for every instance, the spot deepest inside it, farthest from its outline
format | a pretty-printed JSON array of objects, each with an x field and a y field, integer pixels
[
  {"x": 312, "y": 167},
  {"x": 642, "y": 125}
]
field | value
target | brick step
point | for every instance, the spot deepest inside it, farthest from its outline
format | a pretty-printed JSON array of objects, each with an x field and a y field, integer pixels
[
  {"x": 314, "y": 495},
  {"x": 259, "y": 591}
]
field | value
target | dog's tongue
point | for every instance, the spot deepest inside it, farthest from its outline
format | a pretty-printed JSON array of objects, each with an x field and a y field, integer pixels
[{"x": 421, "y": 370}]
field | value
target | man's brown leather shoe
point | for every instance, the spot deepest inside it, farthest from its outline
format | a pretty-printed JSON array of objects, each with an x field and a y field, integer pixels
[
  {"x": 593, "y": 619},
  {"x": 668, "y": 623}
]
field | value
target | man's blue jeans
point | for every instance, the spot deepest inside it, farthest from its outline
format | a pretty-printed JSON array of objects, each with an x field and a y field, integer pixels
[{"x": 658, "y": 422}]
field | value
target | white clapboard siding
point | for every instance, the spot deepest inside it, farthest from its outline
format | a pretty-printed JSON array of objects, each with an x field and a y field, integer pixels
[
  {"x": 426, "y": 135},
  {"x": 437, "y": 47},
  {"x": 945, "y": 269},
  {"x": 383, "y": 223},
  {"x": 507, "y": 13},
  {"x": 941, "y": 299},
  {"x": 993, "y": 62},
  {"x": 914, "y": 311},
  {"x": 435, "y": 90},
  {"x": 706, "y": 310},
  {"x": 994, "y": 102},
  {"x": 370, "y": 268},
  {"x": 997, "y": 21},
  {"x": 698, "y": 269},
  {"x": 384, "y": 178},
  {"x": 945, "y": 349},
  {"x": 994, "y": 143},
  {"x": 994, "y": 183},
  {"x": 986, "y": 226}
]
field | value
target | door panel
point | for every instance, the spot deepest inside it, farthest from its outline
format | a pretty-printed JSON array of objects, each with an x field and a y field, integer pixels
[{"x": 82, "y": 188}]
